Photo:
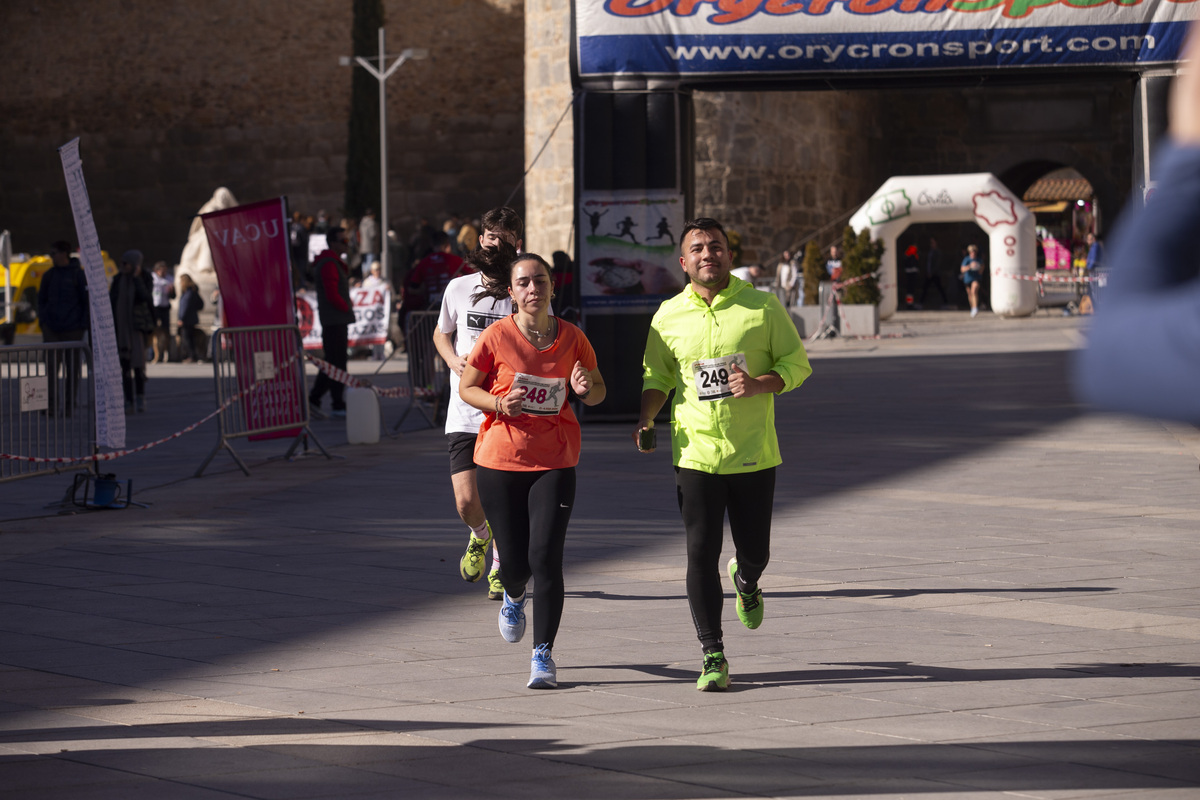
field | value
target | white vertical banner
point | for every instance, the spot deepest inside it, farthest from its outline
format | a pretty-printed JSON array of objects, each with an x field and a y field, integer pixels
[{"x": 106, "y": 369}]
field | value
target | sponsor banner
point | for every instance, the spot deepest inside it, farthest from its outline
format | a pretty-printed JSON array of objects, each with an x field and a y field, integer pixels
[
  {"x": 629, "y": 253},
  {"x": 250, "y": 254},
  {"x": 372, "y": 314},
  {"x": 110, "y": 399},
  {"x": 779, "y": 37}
]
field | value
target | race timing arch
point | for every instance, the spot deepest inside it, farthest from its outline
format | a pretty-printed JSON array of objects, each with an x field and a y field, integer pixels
[
  {"x": 980, "y": 198},
  {"x": 635, "y": 63}
]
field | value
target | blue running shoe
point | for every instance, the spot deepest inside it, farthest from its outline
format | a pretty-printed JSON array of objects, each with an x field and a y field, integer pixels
[
  {"x": 543, "y": 674},
  {"x": 512, "y": 618}
]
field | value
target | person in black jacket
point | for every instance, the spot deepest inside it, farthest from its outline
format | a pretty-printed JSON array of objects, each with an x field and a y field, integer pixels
[
  {"x": 336, "y": 311},
  {"x": 64, "y": 315},
  {"x": 190, "y": 306},
  {"x": 132, "y": 308}
]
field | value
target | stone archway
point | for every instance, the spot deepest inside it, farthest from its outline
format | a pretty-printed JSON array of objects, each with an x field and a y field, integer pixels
[{"x": 980, "y": 198}]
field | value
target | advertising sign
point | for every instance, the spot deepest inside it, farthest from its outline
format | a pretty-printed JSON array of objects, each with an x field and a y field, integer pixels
[
  {"x": 732, "y": 38},
  {"x": 250, "y": 254},
  {"x": 110, "y": 413},
  {"x": 372, "y": 313},
  {"x": 629, "y": 250}
]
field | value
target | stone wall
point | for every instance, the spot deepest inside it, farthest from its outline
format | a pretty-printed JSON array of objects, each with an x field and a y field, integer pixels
[
  {"x": 779, "y": 166},
  {"x": 174, "y": 99},
  {"x": 1017, "y": 133},
  {"x": 550, "y": 186}
]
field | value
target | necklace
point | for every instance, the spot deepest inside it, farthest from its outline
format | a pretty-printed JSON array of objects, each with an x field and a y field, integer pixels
[{"x": 539, "y": 334}]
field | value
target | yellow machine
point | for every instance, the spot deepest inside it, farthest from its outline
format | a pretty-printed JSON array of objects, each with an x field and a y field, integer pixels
[{"x": 26, "y": 278}]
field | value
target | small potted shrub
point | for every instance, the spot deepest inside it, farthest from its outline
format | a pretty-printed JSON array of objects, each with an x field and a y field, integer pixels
[
  {"x": 814, "y": 273},
  {"x": 860, "y": 298},
  {"x": 808, "y": 316}
]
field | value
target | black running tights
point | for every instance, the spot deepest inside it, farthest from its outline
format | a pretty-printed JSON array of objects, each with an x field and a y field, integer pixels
[
  {"x": 529, "y": 512},
  {"x": 704, "y": 498}
]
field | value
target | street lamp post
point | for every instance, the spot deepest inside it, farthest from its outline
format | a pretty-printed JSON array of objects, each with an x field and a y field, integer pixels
[{"x": 381, "y": 74}]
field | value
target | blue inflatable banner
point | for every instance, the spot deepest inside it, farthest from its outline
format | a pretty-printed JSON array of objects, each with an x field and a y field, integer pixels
[{"x": 733, "y": 38}]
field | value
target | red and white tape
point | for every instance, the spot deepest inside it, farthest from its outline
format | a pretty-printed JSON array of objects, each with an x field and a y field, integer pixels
[
  {"x": 333, "y": 372},
  {"x": 341, "y": 376},
  {"x": 1041, "y": 278},
  {"x": 851, "y": 281},
  {"x": 115, "y": 454}
]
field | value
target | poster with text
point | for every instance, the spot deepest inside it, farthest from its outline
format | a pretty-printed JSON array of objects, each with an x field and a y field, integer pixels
[
  {"x": 250, "y": 254},
  {"x": 372, "y": 315},
  {"x": 110, "y": 413}
]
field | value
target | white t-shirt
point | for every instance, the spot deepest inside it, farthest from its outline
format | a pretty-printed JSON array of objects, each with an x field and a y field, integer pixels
[
  {"x": 465, "y": 320},
  {"x": 161, "y": 292}
]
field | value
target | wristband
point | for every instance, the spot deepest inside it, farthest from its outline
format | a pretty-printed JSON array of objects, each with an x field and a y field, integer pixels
[
  {"x": 585, "y": 394},
  {"x": 499, "y": 413}
]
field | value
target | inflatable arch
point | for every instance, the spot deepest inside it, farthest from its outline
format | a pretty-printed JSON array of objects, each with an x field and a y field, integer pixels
[{"x": 979, "y": 198}]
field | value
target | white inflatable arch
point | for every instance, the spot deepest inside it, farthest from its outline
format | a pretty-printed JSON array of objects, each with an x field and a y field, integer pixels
[{"x": 979, "y": 198}]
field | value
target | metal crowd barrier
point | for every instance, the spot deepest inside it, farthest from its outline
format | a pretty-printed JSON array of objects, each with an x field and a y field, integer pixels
[
  {"x": 46, "y": 408},
  {"x": 426, "y": 369},
  {"x": 259, "y": 371},
  {"x": 1097, "y": 288}
]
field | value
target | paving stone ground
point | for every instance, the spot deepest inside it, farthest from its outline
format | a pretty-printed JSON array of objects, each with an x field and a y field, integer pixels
[{"x": 978, "y": 589}]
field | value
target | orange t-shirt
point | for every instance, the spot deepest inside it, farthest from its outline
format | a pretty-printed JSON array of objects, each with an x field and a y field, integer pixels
[{"x": 546, "y": 435}]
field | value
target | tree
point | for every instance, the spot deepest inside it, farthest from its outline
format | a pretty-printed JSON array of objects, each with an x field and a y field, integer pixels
[
  {"x": 861, "y": 258},
  {"x": 814, "y": 273},
  {"x": 362, "y": 147}
]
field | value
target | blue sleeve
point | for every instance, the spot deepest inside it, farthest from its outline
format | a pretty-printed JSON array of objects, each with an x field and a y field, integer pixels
[{"x": 1143, "y": 350}]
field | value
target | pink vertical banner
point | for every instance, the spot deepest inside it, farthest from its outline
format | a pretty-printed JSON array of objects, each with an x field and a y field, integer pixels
[{"x": 250, "y": 253}]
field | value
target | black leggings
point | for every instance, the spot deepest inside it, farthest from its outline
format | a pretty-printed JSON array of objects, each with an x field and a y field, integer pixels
[
  {"x": 703, "y": 500},
  {"x": 333, "y": 343},
  {"x": 529, "y": 512}
]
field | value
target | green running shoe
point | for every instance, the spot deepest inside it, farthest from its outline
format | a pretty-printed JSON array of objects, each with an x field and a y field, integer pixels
[
  {"x": 495, "y": 587},
  {"x": 749, "y": 606},
  {"x": 715, "y": 674},
  {"x": 475, "y": 559}
]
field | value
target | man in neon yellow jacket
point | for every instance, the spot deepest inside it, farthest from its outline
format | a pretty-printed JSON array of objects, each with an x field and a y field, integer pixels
[{"x": 726, "y": 349}]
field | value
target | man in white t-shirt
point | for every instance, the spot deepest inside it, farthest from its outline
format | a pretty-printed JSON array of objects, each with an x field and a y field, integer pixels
[{"x": 459, "y": 325}]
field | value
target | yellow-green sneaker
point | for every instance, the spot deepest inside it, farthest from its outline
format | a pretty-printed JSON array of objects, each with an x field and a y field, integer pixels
[
  {"x": 495, "y": 587},
  {"x": 471, "y": 565},
  {"x": 749, "y": 606},
  {"x": 714, "y": 676}
]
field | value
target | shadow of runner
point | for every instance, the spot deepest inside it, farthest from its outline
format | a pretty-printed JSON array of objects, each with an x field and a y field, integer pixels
[
  {"x": 656, "y": 770},
  {"x": 597, "y": 594}
]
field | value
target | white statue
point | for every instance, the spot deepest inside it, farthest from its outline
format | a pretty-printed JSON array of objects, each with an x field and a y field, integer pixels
[{"x": 196, "y": 260}]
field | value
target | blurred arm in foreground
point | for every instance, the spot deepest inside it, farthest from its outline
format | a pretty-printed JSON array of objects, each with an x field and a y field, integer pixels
[{"x": 1143, "y": 352}]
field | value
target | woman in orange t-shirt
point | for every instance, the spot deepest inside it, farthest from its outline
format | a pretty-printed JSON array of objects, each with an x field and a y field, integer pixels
[{"x": 518, "y": 373}]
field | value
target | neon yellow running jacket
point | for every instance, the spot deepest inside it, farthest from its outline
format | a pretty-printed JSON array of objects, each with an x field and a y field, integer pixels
[{"x": 725, "y": 435}]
